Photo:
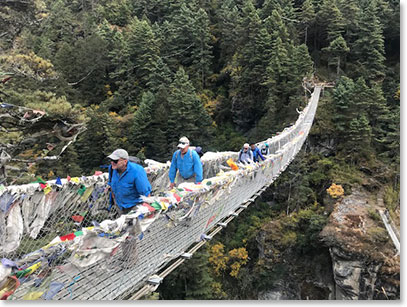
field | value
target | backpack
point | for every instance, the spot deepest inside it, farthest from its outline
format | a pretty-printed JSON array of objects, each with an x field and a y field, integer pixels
[
  {"x": 178, "y": 152},
  {"x": 250, "y": 153}
]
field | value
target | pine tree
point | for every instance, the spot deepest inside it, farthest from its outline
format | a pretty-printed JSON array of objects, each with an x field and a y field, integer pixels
[
  {"x": 391, "y": 142},
  {"x": 300, "y": 67},
  {"x": 368, "y": 49},
  {"x": 191, "y": 281},
  {"x": 228, "y": 29},
  {"x": 154, "y": 10},
  {"x": 83, "y": 65},
  {"x": 59, "y": 25},
  {"x": 158, "y": 144},
  {"x": 67, "y": 165},
  {"x": 186, "y": 114},
  {"x": 249, "y": 69},
  {"x": 140, "y": 131},
  {"x": 135, "y": 61},
  {"x": 359, "y": 133},
  {"x": 277, "y": 77},
  {"x": 330, "y": 23},
  {"x": 285, "y": 9},
  {"x": 351, "y": 118},
  {"x": 98, "y": 141},
  {"x": 350, "y": 10},
  {"x": 379, "y": 115},
  {"x": 344, "y": 107},
  {"x": 337, "y": 49},
  {"x": 307, "y": 16},
  {"x": 117, "y": 12},
  {"x": 202, "y": 55},
  {"x": 143, "y": 51},
  {"x": 186, "y": 41}
]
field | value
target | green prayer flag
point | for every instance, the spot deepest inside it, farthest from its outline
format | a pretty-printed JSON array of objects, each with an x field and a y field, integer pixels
[
  {"x": 22, "y": 273},
  {"x": 156, "y": 205},
  {"x": 82, "y": 189}
]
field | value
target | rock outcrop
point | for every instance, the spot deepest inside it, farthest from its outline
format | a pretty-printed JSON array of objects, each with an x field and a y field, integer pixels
[
  {"x": 356, "y": 259},
  {"x": 365, "y": 262}
]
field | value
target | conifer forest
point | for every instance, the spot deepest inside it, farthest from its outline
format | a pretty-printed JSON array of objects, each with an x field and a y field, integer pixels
[{"x": 139, "y": 74}]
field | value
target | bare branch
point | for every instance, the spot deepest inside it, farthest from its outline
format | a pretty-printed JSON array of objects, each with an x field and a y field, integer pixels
[{"x": 75, "y": 83}]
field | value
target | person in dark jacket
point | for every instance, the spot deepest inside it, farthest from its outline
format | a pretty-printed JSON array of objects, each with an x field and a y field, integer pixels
[{"x": 256, "y": 153}]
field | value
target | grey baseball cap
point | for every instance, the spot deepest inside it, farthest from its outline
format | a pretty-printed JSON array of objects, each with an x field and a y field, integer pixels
[{"x": 119, "y": 154}]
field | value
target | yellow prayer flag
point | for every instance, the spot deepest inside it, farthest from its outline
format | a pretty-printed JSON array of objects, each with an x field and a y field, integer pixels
[
  {"x": 75, "y": 179},
  {"x": 164, "y": 205},
  {"x": 47, "y": 189},
  {"x": 87, "y": 193},
  {"x": 31, "y": 296}
]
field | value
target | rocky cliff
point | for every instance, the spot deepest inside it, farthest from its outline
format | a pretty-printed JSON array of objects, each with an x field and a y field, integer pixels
[
  {"x": 365, "y": 263},
  {"x": 355, "y": 258}
]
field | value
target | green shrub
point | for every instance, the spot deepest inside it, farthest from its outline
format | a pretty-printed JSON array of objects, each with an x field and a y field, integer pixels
[
  {"x": 374, "y": 215},
  {"x": 289, "y": 239},
  {"x": 391, "y": 197},
  {"x": 378, "y": 234}
]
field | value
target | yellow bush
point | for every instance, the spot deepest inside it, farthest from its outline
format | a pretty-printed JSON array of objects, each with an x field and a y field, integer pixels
[
  {"x": 335, "y": 191},
  {"x": 217, "y": 258},
  {"x": 241, "y": 255}
]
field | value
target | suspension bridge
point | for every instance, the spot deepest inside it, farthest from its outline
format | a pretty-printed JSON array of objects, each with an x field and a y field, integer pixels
[{"x": 58, "y": 241}]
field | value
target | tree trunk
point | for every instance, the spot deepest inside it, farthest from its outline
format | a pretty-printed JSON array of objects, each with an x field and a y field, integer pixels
[
  {"x": 306, "y": 35},
  {"x": 338, "y": 66}
]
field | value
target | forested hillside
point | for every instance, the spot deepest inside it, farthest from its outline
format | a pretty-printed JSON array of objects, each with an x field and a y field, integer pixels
[
  {"x": 143, "y": 73},
  {"x": 140, "y": 74}
]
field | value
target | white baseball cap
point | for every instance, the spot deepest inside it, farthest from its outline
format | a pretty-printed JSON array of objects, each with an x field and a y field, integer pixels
[{"x": 183, "y": 142}]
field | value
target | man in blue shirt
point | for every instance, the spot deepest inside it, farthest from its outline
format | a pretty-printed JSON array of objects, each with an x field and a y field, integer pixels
[
  {"x": 187, "y": 162},
  {"x": 128, "y": 181},
  {"x": 256, "y": 153}
]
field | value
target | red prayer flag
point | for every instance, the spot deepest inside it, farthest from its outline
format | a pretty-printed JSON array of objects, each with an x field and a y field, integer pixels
[
  {"x": 151, "y": 209},
  {"x": 77, "y": 218},
  {"x": 70, "y": 236},
  {"x": 177, "y": 197}
]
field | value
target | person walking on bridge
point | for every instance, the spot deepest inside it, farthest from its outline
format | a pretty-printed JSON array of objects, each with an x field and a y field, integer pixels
[
  {"x": 245, "y": 155},
  {"x": 128, "y": 181},
  {"x": 188, "y": 164},
  {"x": 256, "y": 153}
]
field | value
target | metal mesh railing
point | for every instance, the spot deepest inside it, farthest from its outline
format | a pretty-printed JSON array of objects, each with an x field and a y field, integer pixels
[{"x": 58, "y": 241}]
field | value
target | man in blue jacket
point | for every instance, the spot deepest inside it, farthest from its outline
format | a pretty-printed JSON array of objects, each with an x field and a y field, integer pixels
[
  {"x": 188, "y": 164},
  {"x": 256, "y": 153},
  {"x": 127, "y": 180}
]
